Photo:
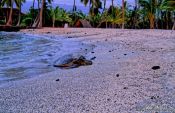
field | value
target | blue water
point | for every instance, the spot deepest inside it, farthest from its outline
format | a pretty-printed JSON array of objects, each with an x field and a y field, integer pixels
[{"x": 24, "y": 55}]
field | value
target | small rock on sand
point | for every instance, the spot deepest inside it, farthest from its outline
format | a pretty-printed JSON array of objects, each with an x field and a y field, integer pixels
[{"x": 156, "y": 67}]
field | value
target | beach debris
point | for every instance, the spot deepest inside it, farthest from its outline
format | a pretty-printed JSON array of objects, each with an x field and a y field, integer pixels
[
  {"x": 108, "y": 99},
  {"x": 92, "y": 52},
  {"x": 125, "y": 54},
  {"x": 49, "y": 54},
  {"x": 154, "y": 97},
  {"x": 153, "y": 51},
  {"x": 125, "y": 88},
  {"x": 57, "y": 80},
  {"x": 48, "y": 32},
  {"x": 93, "y": 58},
  {"x": 117, "y": 75},
  {"x": 68, "y": 62},
  {"x": 156, "y": 67}
]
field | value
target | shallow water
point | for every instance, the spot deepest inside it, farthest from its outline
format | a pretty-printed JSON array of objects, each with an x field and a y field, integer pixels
[{"x": 23, "y": 55}]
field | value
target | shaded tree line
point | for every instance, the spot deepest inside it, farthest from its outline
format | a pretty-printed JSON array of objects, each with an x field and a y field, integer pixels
[{"x": 159, "y": 14}]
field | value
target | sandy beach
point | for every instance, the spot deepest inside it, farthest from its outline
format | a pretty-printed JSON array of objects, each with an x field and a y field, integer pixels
[{"x": 122, "y": 79}]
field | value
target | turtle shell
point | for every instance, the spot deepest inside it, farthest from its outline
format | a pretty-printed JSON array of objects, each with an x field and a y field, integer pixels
[{"x": 69, "y": 61}]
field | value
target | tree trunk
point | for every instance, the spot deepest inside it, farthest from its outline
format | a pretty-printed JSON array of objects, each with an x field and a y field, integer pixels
[
  {"x": 38, "y": 4},
  {"x": 123, "y": 13},
  {"x": 106, "y": 24},
  {"x": 112, "y": 6},
  {"x": 112, "y": 11},
  {"x": 9, "y": 22},
  {"x": 53, "y": 23},
  {"x": 112, "y": 3},
  {"x": 173, "y": 28},
  {"x": 33, "y": 4},
  {"x": 33, "y": 13},
  {"x": 152, "y": 22},
  {"x": 74, "y": 7},
  {"x": 104, "y": 7},
  {"x": 41, "y": 15},
  {"x": 36, "y": 21},
  {"x": 19, "y": 16},
  {"x": 136, "y": 4}
]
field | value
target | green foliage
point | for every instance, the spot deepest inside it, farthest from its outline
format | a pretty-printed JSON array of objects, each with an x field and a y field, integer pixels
[
  {"x": 168, "y": 5},
  {"x": 26, "y": 22},
  {"x": 59, "y": 15},
  {"x": 2, "y": 22},
  {"x": 151, "y": 13},
  {"x": 95, "y": 5}
]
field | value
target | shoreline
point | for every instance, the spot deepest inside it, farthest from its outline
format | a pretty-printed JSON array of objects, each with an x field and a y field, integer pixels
[
  {"x": 67, "y": 47},
  {"x": 120, "y": 80}
]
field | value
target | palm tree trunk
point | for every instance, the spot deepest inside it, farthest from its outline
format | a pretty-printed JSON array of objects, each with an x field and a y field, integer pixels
[
  {"x": 152, "y": 22},
  {"x": 123, "y": 13},
  {"x": 53, "y": 23},
  {"x": 9, "y": 22},
  {"x": 74, "y": 7},
  {"x": 38, "y": 4},
  {"x": 112, "y": 6},
  {"x": 19, "y": 16},
  {"x": 41, "y": 14},
  {"x": 104, "y": 7},
  {"x": 33, "y": 13},
  {"x": 173, "y": 28},
  {"x": 33, "y": 4},
  {"x": 112, "y": 11}
]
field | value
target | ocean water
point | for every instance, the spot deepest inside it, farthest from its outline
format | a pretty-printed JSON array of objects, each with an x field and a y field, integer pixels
[{"x": 24, "y": 55}]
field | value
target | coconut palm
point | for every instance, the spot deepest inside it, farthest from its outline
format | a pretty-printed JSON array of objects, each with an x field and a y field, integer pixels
[
  {"x": 74, "y": 7},
  {"x": 8, "y": 3},
  {"x": 149, "y": 7},
  {"x": 19, "y": 3},
  {"x": 123, "y": 13},
  {"x": 54, "y": 13},
  {"x": 104, "y": 5},
  {"x": 112, "y": 6},
  {"x": 94, "y": 6},
  {"x": 170, "y": 6},
  {"x": 40, "y": 24},
  {"x": 39, "y": 19}
]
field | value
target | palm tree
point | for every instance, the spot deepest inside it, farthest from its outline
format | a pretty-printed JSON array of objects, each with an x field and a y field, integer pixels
[
  {"x": 74, "y": 7},
  {"x": 8, "y": 3},
  {"x": 136, "y": 4},
  {"x": 112, "y": 6},
  {"x": 9, "y": 22},
  {"x": 94, "y": 6},
  {"x": 170, "y": 6},
  {"x": 123, "y": 13},
  {"x": 40, "y": 24},
  {"x": 39, "y": 19},
  {"x": 104, "y": 5},
  {"x": 54, "y": 13},
  {"x": 19, "y": 3},
  {"x": 149, "y": 7}
]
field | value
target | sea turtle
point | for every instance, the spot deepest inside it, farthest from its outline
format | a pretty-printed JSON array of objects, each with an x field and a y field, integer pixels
[{"x": 72, "y": 62}]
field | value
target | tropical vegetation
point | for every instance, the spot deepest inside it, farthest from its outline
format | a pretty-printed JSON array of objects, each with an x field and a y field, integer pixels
[{"x": 153, "y": 14}]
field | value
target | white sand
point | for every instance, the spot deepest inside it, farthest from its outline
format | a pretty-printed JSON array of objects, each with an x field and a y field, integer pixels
[{"x": 96, "y": 88}]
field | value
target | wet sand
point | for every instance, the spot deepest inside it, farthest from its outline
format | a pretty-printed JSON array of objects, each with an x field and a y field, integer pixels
[{"x": 121, "y": 80}]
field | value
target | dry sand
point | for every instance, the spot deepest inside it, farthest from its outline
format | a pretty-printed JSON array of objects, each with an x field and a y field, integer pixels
[{"x": 121, "y": 79}]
